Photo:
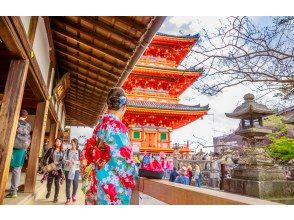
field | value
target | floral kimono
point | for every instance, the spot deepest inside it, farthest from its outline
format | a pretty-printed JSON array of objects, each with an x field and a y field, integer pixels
[{"x": 108, "y": 173}]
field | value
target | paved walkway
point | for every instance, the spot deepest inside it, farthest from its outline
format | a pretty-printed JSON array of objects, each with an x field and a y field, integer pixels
[
  {"x": 41, "y": 200},
  {"x": 144, "y": 199}
]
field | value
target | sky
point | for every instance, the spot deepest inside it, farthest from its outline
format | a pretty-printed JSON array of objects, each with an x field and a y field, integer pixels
[{"x": 215, "y": 123}]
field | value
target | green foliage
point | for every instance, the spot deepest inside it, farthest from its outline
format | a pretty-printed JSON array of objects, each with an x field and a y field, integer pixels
[
  {"x": 281, "y": 148},
  {"x": 276, "y": 122}
]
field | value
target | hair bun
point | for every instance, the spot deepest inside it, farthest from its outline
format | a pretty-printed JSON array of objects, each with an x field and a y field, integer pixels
[{"x": 113, "y": 103}]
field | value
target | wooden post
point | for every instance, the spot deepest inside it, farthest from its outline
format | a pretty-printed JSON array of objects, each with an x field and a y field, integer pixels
[
  {"x": 135, "y": 195},
  {"x": 9, "y": 114},
  {"x": 53, "y": 134},
  {"x": 37, "y": 142}
]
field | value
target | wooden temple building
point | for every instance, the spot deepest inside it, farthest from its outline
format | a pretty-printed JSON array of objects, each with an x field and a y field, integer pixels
[
  {"x": 153, "y": 90},
  {"x": 60, "y": 70}
]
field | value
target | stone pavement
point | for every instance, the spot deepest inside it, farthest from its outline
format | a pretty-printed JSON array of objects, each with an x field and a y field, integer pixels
[{"x": 41, "y": 200}]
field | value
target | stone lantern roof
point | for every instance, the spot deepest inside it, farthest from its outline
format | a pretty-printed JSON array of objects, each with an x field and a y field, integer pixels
[{"x": 250, "y": 109}]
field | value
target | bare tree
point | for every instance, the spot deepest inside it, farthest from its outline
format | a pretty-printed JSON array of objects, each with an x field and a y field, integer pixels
[{"x": 242, "y": 52}]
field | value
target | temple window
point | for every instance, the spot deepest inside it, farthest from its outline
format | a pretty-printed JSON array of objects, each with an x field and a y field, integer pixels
[
  {"x": 136, "y": 134},
  {"x": 163, "y": 136}
]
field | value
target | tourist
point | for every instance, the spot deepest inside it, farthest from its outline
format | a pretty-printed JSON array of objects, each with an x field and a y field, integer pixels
[
  {"x": 54, "y": 159},
  {"x": 189, "y": 174},
  {"x": 21, "y": 144},
  {"x": 108, "y": 169},
  {"x": 182, "y": 178},
  {"x": 72, "y": 170},
  {"x": 198, "y": 176},
  {"x": 169, "y": 167},
  {"x": 164, "y": 165},
  {"x": 173, "y": 175}
]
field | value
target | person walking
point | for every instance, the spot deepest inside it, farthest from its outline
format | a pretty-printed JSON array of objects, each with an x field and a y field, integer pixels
[
  {"x": 108, "y": 169},
  {"x": 198, "y": 176},
  {"x": 182, "y": 178},
  {"x": 21, "y": 144},
  {"x": 54, "y": 159},
  {"x": 72, "y": 170}
]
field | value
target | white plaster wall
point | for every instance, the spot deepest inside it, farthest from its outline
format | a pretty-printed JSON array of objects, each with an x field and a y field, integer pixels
[
  {"x": 26, "y": 22},
  {"x": 41, "y": 49}
]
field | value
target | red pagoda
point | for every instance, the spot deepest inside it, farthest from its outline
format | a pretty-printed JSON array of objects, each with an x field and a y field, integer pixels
[{"x": 153, "y": 90}]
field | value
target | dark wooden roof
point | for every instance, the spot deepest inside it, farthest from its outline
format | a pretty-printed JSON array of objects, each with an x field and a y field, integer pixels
[
  {"x": 166, "y": 106},
  {"x": 99, "y": 53}
]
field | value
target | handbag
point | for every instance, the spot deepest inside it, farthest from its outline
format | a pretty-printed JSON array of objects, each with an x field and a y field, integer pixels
[{"x": 50, "y": 167}]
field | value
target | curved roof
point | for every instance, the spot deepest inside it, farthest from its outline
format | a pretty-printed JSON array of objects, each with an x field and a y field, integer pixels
[
  {"x": 166, "y": 106},
  {"x": 250, "y": 108}
]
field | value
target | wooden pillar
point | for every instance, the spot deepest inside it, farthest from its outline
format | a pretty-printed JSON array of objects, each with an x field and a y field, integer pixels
[
  {"x": 9, "y": 114},
  {"x": 37, "y": 142},
  {"x": 135, "y": 194},
  {"x": 53, "y": 134}
]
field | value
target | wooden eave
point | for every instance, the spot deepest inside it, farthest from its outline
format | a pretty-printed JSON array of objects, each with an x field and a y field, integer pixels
[{"x": 99, "y": 53}]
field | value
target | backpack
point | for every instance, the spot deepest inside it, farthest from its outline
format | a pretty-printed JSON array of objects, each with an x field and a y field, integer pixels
[{"x": 23, "y": 138}]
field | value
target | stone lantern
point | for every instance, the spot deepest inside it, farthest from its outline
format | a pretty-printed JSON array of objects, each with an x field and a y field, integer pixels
[{"x": 257, "y": 174}]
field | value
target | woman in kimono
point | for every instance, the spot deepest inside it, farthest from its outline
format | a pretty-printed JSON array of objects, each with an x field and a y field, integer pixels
[{"x": 108, "y": 169}]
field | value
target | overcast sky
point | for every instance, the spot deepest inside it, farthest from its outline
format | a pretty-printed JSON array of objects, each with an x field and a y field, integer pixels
[{"x": 215, "y": 123}]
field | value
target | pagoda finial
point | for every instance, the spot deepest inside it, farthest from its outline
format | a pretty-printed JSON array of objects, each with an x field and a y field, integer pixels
[{"x": 249, "y": 97}]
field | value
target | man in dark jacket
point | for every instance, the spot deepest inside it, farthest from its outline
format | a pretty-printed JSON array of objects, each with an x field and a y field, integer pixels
[
  {"x": 173, "y": 175},
  {"x": 21, "y": 143}
]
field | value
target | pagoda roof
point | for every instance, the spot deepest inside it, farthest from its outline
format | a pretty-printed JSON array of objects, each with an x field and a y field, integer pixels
[
  {"x": 166, "y": 106},
  {"x": 175, "y": 81},
  {"x": 250, "y": 108},
  {"x": 173, "y": 48},
  {"x": 188, "y": 36},
  {"x": 162, "y": 114}
]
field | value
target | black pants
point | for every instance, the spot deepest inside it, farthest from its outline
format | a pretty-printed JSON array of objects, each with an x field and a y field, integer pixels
[
  {"x": 56, "y": 179},
  {"x": 68, "y": 184}
]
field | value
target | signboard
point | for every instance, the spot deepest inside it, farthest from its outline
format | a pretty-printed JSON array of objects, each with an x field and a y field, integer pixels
[{"x": 62, "y": 87}]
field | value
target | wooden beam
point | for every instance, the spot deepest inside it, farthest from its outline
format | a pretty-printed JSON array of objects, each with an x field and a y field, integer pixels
[
  {"x": 105, "y": 27},
  {"x": 120, "y": 59},
  {"x": 99, "y": 67},
  {"x": 93, "y": 81},
  {"x": 102, "y": 59},
  {"x": 129, "y": 22},
  {"x": 86, "y": 108},
  {"x": 36, "y": 145},
  {"x": 50, "y": 74},
  {"x": 33, "y": 28},
  {"x": 53, "y": 133},
  {"x": 9, "y": 115},
  {"x": 79, "y": 60},
  {"x": 77, "y": 115},
  {"x": 9, "y": 37},
  {"x": 83, "y": 99},
  {"x": 119, "y": 46},
  {"x": 78, "y": 66}
]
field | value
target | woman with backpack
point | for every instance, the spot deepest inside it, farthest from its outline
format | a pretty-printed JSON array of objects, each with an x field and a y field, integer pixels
[
  {"x": 72, "y": 170},
  {"x": 53, "y": 161}
]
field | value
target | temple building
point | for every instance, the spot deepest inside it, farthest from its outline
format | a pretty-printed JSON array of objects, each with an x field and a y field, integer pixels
[{"x": 153, "y": 90}]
